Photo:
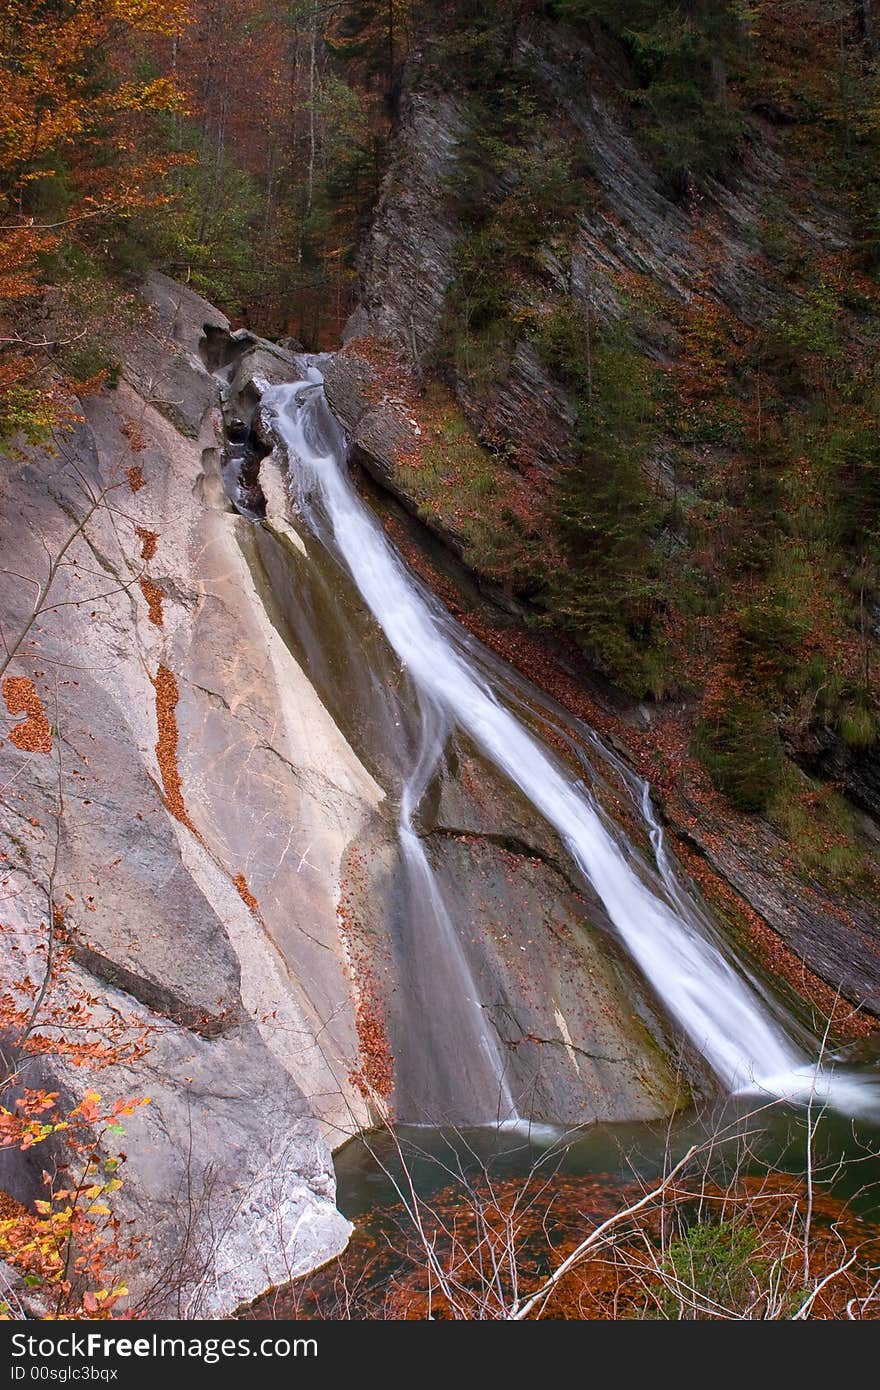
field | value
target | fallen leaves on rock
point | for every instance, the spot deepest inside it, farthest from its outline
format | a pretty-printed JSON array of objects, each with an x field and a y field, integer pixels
[
  {"x": 149, "y": 541},
  {"x": 167, "y": 696},
  {"x": 34, "y": 734},
  {"x": 245, "y": 894},
  {"x": 153, "y": 594}
]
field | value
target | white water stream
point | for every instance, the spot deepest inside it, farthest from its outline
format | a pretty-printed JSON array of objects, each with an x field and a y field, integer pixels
[{"x": 712, "y": 1000}]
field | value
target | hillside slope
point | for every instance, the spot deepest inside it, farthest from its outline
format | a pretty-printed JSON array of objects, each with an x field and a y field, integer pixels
[{"x": 629, "y": 377}]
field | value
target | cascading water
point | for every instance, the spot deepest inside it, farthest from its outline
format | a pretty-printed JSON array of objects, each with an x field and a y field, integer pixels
[
  {"x": 437, "y": 969},
  {"x": 711, "y": 999}
]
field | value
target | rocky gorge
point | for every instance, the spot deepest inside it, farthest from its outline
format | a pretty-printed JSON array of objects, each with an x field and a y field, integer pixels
[
  {"x": 224, "y": 860},
  {"x": 280, "y": 885}
]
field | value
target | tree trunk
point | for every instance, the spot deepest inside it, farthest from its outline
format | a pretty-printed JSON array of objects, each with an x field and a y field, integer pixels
[{"x": 313, "y": 40}]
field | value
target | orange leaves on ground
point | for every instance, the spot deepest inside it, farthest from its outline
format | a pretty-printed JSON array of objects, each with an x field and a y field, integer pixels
[
  {"x": 494, "y": 506},
  {"x": 34, "y": 734},
  {"x": 494, "y": 1239},
  {"x": 780, "y": 962}
]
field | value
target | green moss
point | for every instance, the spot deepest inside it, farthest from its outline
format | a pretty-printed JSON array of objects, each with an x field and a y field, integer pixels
[
  {"x": 21, "y": 849},
  {"x": 464, "y": 487},
  {"x": 858, "y": 726},
  {"x": 821, "y": 830}
]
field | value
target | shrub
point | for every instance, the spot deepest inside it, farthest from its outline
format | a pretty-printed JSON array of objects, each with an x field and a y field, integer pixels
[
  {"x": 560, "y": 338},
  {"x": 813, "y": 326},
  {"x": 677, "y": 55},
  {"x": 714, "y": 1268},
  {"x": 90, "y": 359},
  {"x": 854, "y": 458},
  {"x": 612, "y": 589},
  {"x": 769, "y": 632},
  {"x": 741, "y": 751}
]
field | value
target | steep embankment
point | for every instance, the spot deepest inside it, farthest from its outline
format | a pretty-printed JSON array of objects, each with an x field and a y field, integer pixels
[
  {"x": 187, "y": 815},
  {"x": 521, "y": 315}
]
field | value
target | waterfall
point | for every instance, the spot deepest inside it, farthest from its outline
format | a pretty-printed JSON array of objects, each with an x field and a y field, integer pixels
[
  {"x": 700, "y": 985},
  {"x": 471, "y": 1081}
]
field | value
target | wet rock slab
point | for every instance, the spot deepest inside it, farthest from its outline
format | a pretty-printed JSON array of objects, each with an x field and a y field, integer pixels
[{"x": 209, "y": 922}]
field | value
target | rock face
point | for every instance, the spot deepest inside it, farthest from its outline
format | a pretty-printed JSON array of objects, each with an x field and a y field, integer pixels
[
  {"x": 634, "y": 225},
  {"x": 580, "y": 1039},
  {"x": 207, "y": 804},
  {"x": 581, "y": 1035},
  {"x": 838, "y": 942},
  {"x": 631, "y": 235},
  {"x": 408, "y": 258},
  {"x": 407, "y": 264},
  {"x": 208, "y": 798},
  {"x": 856, "y": 769},
  {"x": 631, "y": 230},
  {"x": 380, "y": 432},
  {"x": 531, "y": 408}
]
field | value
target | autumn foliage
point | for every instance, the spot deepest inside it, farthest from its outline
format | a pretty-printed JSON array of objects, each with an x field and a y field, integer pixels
[
  {"x": 67, "y": 1246},
  {"x": 73, "y": 154}
]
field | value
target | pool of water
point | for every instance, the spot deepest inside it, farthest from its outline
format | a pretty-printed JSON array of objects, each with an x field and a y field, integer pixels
[{"x": 377, "y": 1169}]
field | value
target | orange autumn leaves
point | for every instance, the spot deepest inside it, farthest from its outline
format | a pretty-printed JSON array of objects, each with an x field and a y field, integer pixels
[
  {"x": 74, "y": 148},
  {"x": 34, "y": 734},
  {"x": 68, "y": 1245},
  {"x": 70, "y": 91},
  {"x": 58, "y": 66}
]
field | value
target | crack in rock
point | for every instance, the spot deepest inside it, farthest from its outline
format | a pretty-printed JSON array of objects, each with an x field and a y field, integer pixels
[{"x": 157, "y": 998}]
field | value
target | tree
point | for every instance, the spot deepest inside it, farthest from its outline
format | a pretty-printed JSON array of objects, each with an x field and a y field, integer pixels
[
  {"x": 610, "y": 590},
  {"x": 67, "y": 1247},
  {"x": 72, "y": 153}
]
